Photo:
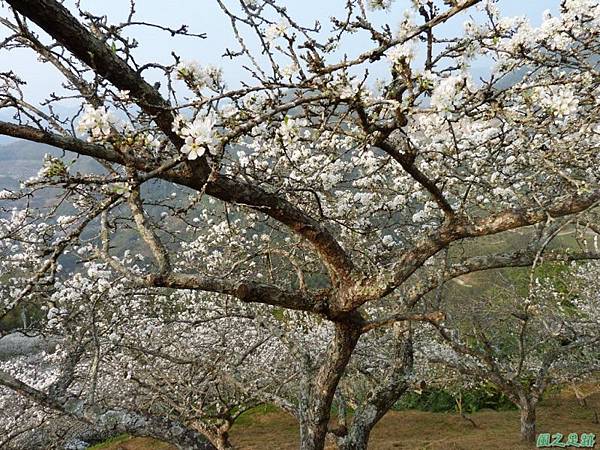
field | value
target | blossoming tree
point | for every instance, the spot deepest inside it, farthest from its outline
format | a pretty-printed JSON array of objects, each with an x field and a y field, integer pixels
[
  {"x": 313, "y": 187},
  {"x": 524, "y": 345}
]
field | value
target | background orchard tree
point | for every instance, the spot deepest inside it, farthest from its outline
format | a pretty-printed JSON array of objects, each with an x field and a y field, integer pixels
[
  {"x": 523, "y": 345},
  {"x": 179, "y": 356},
  {"x": 312, "y": 186}
]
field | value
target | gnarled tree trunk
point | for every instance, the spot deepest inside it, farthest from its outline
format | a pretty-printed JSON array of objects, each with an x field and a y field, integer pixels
[
  {"x": 381, "y": 399},
  {"x": 527, "y": 421},
  {"x": 315, "y": 407},
  {"x": 221, "y": 441},
  {"x": 217, "y": 435}
]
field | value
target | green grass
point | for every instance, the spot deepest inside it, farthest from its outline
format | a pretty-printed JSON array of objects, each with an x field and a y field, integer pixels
[
  {"x": 111, "y": 442},
  {"x": 248, "y": 417}
]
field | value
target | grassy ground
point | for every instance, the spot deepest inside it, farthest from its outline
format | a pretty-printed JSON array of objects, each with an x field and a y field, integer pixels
[
  {"x": 268, "y": 429},
  {"x": 125, "y": 442}
]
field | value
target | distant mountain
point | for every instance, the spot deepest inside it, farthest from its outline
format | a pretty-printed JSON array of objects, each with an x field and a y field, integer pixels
[{"x": 20, "y": 160}]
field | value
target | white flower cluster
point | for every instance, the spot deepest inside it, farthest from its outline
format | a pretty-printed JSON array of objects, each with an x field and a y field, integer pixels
[
  {"x": 551, "y": 31},
  {"x": 426, "y": 213},
  {"x": 199, "y": 135},
  {"x": 583, "y": 13},
  {"x": 6, "y": 195},
  {"x": 347, "y": 89},
  {"x": 447, "y": 93},
  {"x": 276, "y": 30},
  {"x": 54, "y": 316},
  {"x": 401, "y": 52},
  {"x": 123, "y": 96},
  {"x": 290, "y": 129},
  {"x": 97, "y": 122},
  {"x": 559, "y": 100},
  {"x": 388, "y": 241},
  {"x": 405, "y": 50},
  {"x": 330, "y": 178},
  {"x": 380, "y": 4},
  {"x": 199, "y": 77},
  {"x": 290, "y": 70}
]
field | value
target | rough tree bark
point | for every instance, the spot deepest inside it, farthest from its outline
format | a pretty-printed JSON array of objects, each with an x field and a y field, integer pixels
[
  {"x": 219, "y": 436},
  {"x": 528, "y": 409},
  {"x": 381, "y": 399},
  {"x": 315, "y": 406}
]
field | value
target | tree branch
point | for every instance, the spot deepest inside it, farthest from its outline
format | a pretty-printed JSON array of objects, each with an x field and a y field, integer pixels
[
  {"x": 462, "y": 228},
  {"x": 222, "y": 187}
]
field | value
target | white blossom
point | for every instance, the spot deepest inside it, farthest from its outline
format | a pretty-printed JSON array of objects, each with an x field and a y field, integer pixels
[
  {"x": 401, "y": 52},
  {"x": 560, "y": 100},
  {"x": 199, "y": 136},
  {"x": 448, "y": 93},
  {"x": 276, "y": 30},
  {"x": 97, "y": 122}
]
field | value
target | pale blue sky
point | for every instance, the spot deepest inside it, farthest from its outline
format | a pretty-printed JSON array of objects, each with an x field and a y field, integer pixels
[{"x": 205, "y": 16}]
